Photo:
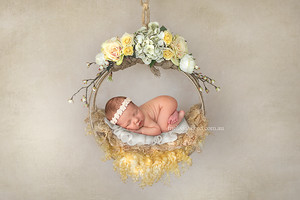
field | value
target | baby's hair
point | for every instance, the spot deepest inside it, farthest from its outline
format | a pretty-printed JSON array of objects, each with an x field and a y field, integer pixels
[{"x": 113, "y": 105}]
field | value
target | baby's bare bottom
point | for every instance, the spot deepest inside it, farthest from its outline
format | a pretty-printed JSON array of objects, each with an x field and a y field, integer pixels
[{"x": 167, "y": 114}]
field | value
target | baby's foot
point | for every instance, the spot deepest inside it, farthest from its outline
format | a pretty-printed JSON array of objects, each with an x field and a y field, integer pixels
[
  {"x": 173, "y": 118},
  {"x": 180, "y": 117}
]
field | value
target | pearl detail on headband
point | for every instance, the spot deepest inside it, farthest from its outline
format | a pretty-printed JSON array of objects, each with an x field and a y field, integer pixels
[{"x": 120, "y": 111}]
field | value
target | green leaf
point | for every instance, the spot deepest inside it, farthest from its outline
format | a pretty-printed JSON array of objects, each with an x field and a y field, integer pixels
[
  {"x": 163, "y": 28},
  {"x": 152, "y": 63}
]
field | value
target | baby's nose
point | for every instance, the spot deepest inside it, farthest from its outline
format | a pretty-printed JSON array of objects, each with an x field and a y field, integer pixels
[{"x": 136, "y": 120}]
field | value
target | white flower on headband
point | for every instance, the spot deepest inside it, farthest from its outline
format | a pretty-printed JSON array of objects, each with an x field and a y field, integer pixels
[{"x": 120, "y": 110}]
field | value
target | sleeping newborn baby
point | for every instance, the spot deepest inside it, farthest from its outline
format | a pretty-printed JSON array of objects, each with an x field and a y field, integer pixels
[{"x": 152, "y": 118}]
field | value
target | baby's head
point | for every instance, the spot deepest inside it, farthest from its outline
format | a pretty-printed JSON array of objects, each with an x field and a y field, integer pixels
[{"x": 123, "y": 112}]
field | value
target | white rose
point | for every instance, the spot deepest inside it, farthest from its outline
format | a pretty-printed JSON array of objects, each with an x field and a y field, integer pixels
[
  {"x": 156, "y": 31},
  {"x": 142, "y": 29},
  {"x": 153, "y": 26},
  {"x": 138, "y": 48},
  {"x": 187, "y": 64},
  {"x": 161, "y": 35},
  {"x": 147, "y": 60},
  {"x": 142, "y": 56},
  {"x": 157, "y": 51},
  {"x": 160, "y": 59},
  {"x": 149, "y": 49},
  {"x": 100, "y": 60},
  {"x": 139, "y": 38},
  {"x": 160, "y": 43}
]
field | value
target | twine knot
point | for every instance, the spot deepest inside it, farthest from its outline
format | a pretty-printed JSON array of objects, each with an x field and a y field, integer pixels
[{"x": 146, "y": 13}]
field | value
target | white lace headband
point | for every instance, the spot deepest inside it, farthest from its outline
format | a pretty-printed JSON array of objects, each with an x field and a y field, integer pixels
[{"x": 120, "y": 111}]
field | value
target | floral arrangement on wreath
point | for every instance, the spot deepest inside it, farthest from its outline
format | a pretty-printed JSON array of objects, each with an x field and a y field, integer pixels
[{"x": 151, "y": 45}]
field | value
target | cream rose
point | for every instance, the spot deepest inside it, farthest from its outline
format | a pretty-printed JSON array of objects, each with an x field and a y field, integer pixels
[
  {"x": 112, "y": 50},
  {"x": 179, "y": 45},
  {"x": 187, "y": 64}
]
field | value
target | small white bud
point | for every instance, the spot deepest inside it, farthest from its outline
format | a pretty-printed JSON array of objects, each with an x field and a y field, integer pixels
[
  {"x": 70, "y": 101},
  {"x": 83, "y": 99}
]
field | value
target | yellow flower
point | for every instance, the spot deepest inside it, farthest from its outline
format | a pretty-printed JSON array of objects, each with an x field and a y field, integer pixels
[
  {"x": 168, "y": 53},
  {"x": 112, "y": 50},
  {"x": 167, "y": 37},
  {"x": 127, "y": 39},
  {"x": 128, "y": 51}
]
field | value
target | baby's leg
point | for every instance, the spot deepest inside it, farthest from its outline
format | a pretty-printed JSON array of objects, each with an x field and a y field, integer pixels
[
  {"x": 168, "y": 107},
  {"x": 166, "y": 111}
]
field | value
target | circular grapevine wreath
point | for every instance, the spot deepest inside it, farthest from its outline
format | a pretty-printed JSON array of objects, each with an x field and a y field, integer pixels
[{"x": 156, "y": 47}]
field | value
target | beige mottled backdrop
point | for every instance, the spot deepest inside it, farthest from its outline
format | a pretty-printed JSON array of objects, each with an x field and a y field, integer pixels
[{"x": 251, "y": 47}]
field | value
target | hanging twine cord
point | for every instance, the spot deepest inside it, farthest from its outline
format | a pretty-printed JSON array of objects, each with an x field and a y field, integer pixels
[{"x": 146, "y": 13}]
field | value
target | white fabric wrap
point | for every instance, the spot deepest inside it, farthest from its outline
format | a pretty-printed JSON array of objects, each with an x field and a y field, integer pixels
[{"x": 132, "y": 138}]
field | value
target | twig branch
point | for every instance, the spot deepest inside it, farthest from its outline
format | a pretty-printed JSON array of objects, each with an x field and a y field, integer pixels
[
  {"x": 203, "y": 79},
  {"x": 87, "y": 87}
]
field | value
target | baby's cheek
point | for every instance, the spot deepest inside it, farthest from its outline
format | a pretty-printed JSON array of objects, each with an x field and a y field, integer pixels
[{"x": 141, "y": 117}]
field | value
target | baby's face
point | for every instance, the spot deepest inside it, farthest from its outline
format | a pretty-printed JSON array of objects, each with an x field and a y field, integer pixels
[{"x": 132, "y": 118}]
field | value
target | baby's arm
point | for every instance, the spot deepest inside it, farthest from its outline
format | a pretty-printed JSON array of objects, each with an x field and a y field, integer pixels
[
  {"x": 152, "y": 128},
  {"x": 149, "y": 130}
]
